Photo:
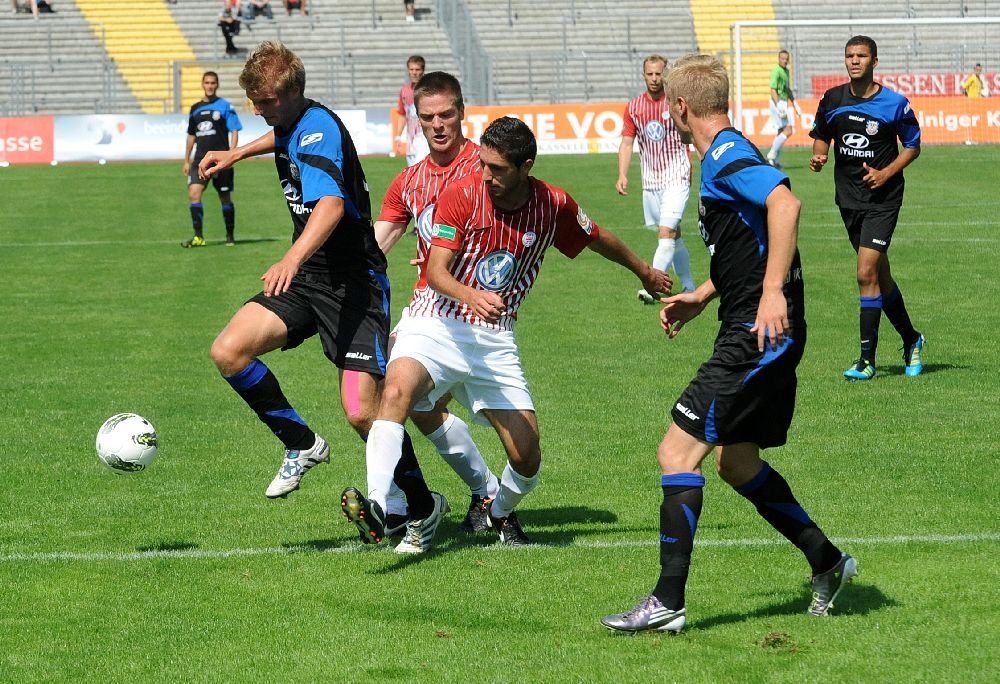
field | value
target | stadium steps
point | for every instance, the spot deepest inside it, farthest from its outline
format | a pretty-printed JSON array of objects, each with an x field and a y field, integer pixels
[
  {"x": 143, "y": 43},
  {"x": 712, "y": 21}
]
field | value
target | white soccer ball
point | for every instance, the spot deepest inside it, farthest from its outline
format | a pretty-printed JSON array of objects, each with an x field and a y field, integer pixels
[{"x": 126, "y": 443}]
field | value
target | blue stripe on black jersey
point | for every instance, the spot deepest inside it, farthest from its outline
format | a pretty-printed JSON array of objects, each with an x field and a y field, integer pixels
[{"x": 326, "y": 165}]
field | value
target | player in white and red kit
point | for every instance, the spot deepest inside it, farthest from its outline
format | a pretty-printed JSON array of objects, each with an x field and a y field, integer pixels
[
  {"x": 665, "y": 163},
  {"x": 411, "y": 197},
  {"x": 489, "y": 239},
  {"x": 408, "y": 124}
]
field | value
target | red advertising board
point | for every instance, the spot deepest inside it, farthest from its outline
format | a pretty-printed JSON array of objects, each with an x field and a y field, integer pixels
[{"x": 26, "y": 140}]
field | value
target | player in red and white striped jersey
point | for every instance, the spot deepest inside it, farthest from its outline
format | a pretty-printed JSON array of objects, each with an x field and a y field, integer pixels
[
  {"x": 489, "y": 239},
  {"x": 411, "y": 197},
  {"x": 665, "y": 163}
]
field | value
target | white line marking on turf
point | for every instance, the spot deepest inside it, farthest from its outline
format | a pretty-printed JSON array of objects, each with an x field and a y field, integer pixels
[{"x": 97, "y": 556}]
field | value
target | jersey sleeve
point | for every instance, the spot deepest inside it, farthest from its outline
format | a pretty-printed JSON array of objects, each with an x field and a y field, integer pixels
[
  {"x": 192, "y": 127},
  {"x": 628, "y": 126},
  {"x": 574, "y": 229},
  {"x": 821, "y": 127},
  {"x": 776, "y": 80},
  {"x": 320, "y": 156},
  {"x": 450, "y": 214},
  {"x": 393, "y": 208},
  {"x": 907, "y": 127},
  {"x": 233, "y": 122},
  {"x": 400, "y": 105}
]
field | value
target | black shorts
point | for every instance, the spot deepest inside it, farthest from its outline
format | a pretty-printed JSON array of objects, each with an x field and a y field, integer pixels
[
  {"x": 872, "y": 227},
  {"x": 352, "y": 318},
  {"x": 740, "y": 394},
  {"x": 223, "y": 181}
]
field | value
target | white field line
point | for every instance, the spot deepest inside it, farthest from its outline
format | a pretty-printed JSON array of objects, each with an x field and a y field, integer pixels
[{"x": 353, "y": 547}]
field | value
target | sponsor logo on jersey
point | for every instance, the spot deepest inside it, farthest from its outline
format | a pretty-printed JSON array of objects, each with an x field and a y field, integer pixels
[
  {"x": 855, "y": 141},
  {"x": 425, "y": 224},
  {"x": 684, "y": 410},
  {"x": 871, "y": 127},
  {"x": 444, "y": 232},
  {"x": 855, "y": 117},
  {"x": 495, "y": 271},
  {"x": 292, "y": 193},
  {"x": 529, "y": 238},
  {"x": 310, "y": 138},
  {"x": 655, "y": 130},
  {"x": 722, "y": 149},
  {"x": 584, "y": 221}
]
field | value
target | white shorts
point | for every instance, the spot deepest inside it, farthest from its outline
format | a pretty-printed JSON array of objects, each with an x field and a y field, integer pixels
[
  {"x": 779, "y": 121},
  {"x": 481, "y": 368},
  {"x": 665, "y": 207}
]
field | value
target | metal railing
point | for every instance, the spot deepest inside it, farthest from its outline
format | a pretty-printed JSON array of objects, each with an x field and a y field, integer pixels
[{"x": 474, "y": 64}]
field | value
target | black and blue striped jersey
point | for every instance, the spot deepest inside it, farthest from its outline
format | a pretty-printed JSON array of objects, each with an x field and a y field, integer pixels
[
  {"x": 735, "y": 183},
  {"x": 865, "y": 131},
  {"x": 316, "y": 158},
  {"x": 211, "y": 122}
]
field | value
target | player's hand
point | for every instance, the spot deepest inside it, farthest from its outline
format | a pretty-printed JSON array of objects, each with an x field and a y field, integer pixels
[
  {"x": 488, "y": 306},
  {"x": 680, "y": 309},
  {"x": 818, "y": 161},
  {"x": 187, "y": 167},
  {"x": 215, "y": 161},
  {"x": 657, "y": 281},
  {"x": 782, "y": 108},
  {"x": 798, "y": 110},
  {"x": 278, "y": 278},
  {"x": 772, "y": 319},
  {"x": 874, "y": 178},
  {"x": 416, "y": 261},
  {"x": 622, "y": 185}
]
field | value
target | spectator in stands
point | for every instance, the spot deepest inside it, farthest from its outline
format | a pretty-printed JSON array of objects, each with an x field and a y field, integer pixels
[
  {"x": 44, "y": 6},
  {"x": 299, "y": 5},
  {"x": 975, "y": 84},
  {"x": 407, "y": 124},
  {"x": 782, "y": 100},
  {"x": 409, "y": 10},
  {"x": 29, "y": 6},
  {"x": 256, "y": 7},
  {"x": 229, "y": 23}
]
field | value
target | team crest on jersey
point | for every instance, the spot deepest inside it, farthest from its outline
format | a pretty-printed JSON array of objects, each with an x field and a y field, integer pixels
[
  {"x": 496, "y": 270},
  {"x": 655, "y": 130},
  {"x": 293, "y": 170},
  {"x": 871, "y": 127},
  {"x": 216, "y": 115},
  {"x": 529, "y": 238},
  {"x": 584, "y": 221},
  {"x": 425, "y": 226}
]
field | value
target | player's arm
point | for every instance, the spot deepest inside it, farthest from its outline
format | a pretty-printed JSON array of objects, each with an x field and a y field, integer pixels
[
  {"x": 219, "y": 160},
  {"x": 486, "y": 305},
  {"x": 876, "y": 178},
  {"x": 682, "y": 307},
  {"x": 187, "y": 153},
  {"x": 325, "y": 216},
  {"x": 387, "y": 233},
  {"x": 820, "y": 154},
  {"x": 234, "y": 139},
  {"x": 624, "y": 162},
  {"x": 782, "y": 234},
  {"x": 609, "y": 246}
]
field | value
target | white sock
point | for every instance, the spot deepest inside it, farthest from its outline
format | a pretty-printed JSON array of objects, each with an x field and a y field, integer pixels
[
  {"x": 775, "y": 150},
  {"x": 664, "y": 255},
  {"x": 682, "y": 264},
  {"x": 382, "y": 453},
  {"x": 454, "y": 442},
  {"x": 513, "y": 488}
]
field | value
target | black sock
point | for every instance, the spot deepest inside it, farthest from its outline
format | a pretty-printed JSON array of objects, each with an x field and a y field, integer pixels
[
  {"x": 261, "y": 391},
  {"x": 895, "y": 311},
  {"x": 871, "y": 314},
  {"x": 770, "y": 494},
  {"x": 679, "y": 513},
  {"x": 408, "y": 477},
  {"x": 229, "y": 216},
  {"x": 197, "y": 217}
]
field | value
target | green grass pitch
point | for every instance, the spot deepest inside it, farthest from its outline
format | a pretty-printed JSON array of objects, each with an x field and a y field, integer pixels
[{"x": 187, "y": 573}]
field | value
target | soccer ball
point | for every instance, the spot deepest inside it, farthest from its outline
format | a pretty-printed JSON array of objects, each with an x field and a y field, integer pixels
[{"x": 126, "y": 443}]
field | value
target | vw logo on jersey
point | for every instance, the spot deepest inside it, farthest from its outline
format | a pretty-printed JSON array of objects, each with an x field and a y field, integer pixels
[
  {"x": 291, "y": 192},
  {"x": 871, "y": 127},
  {"x": 855, "y": 141},
  {"x": 655, "y": 130},
  {"x": 425, "y": 224},
  {"x": 495, "y": 271}
]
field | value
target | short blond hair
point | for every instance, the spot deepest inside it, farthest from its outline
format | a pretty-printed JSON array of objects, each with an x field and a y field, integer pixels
[
  {"x": 703, "y": 83},
  {"x": 654, "y": 58},
  {"x": 271, "y": 64}
]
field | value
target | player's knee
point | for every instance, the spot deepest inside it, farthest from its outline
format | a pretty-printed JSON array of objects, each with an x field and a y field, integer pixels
[
  {"x": 226, "y": 356},
  {"x": 429, "y": 421}
]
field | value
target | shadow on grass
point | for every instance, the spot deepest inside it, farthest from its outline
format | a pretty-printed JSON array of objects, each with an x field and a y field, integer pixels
[
  {"x": 898, "y": 371},
  {"x": 856, "y": 599},
  {"x": 167, "y": 546}
]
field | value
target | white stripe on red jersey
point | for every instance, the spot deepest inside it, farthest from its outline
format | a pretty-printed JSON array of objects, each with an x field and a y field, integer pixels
[
  {"x": 663, "y": 158},
  {"x": 413, "y": 193},
  {"x": 501, "y": 251}
]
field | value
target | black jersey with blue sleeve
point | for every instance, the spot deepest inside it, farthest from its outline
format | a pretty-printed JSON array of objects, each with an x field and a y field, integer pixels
[
  {"x": 211, "y": 122},
  {"x": 316, "y": 158},
  {"x": 735, "y": 183},
  {"x": 865, "y": 131}
]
